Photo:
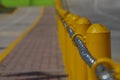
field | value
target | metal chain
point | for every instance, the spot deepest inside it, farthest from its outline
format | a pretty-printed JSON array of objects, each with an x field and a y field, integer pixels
[
  {"x": 86, "y": 56},
  {"x": 102, "y": 72}
]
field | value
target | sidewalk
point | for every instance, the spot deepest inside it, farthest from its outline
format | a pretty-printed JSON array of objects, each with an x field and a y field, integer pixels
[
  {"x": 37, "y": 56},
  {"x": 13, "y": 25}
]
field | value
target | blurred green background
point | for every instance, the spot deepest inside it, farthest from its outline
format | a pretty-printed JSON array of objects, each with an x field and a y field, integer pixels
[
  {"x": 4, "y": 9},
  {"x": 22, "y": 3},
  {"x": 7, "y": 6}
]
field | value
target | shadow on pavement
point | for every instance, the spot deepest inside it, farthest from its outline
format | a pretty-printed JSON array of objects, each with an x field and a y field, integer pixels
[
  {"x": 3, "y": 48},
  {"x": 39, "y": 76}
]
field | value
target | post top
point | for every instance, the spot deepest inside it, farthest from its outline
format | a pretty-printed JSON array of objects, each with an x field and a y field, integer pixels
[
  {"x": 97, "y": 28},
  {"x": 83, "y": 20}
]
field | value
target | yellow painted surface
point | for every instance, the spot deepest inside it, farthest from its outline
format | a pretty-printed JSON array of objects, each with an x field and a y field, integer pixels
[
  {"x": 81, "y": 26},
  {"x": 98, "y": 43},
  {"x": 70, "y": 19},
  {"x": 62, "y": 41},
  {"x": 96, "y": 38},
  {"x": 12, "y": 45}
]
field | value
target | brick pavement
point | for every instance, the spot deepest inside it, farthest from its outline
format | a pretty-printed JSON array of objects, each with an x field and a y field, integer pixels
[{"x": 37, "y": 56}]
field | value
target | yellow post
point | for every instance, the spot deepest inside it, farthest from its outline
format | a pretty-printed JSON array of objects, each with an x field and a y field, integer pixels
[
  {"x": 62, "y": 35},
  {"x": 70, "y": 20},
  {"x": 58, "y": 4},
  {"x": 62, "y": 40},
  {"x": 62, "y": 12},
  {"x": 98, "y": 43},
  {"x": 80, "y": 67}
]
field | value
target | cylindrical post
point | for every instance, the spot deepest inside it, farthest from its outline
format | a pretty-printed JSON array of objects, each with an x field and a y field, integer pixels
[
  {"x": 70, "y": 20},
  {"x": 62, "y": 40},
  {"x": 58, "y": 3},
  {"x": 80, "y": 67},
  {"x": 98, "y": 44},
  {"x": 61, "y": 13}
]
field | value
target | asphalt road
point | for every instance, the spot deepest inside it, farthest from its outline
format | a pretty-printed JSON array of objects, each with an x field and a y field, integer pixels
[{"x": 106, "y": 12}]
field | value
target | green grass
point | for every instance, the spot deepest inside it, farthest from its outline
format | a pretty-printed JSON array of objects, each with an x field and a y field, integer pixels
[
  {"x": 15, "y": 3},
  {"x": 43, "y": 2},
  {"x": 19, "y": 3}
]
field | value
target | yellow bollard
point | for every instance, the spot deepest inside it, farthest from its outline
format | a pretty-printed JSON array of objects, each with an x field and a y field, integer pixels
[
  {"x": 62, "y": 12},
  {"x": 58, "y": 3},
  {"x": 80, "y": 67},
  {"x": 70, "y": 19},
  {"x": 62, "y": 37},
  {"x": 98, "y": 43}
]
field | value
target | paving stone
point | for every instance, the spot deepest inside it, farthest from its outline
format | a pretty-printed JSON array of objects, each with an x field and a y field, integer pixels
[{"x": 37, "y": 56}]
